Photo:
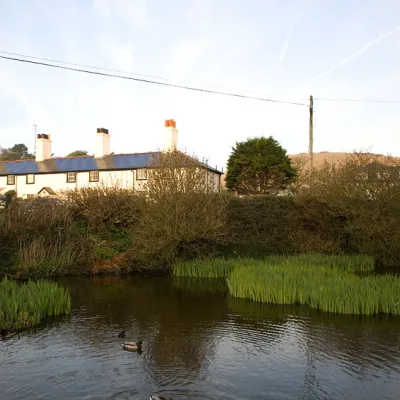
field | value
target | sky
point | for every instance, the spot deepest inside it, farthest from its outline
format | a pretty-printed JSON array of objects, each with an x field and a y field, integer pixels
[{"x": 275, "y": 49}]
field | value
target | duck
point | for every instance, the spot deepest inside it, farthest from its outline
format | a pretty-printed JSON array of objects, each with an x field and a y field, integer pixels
[
  {"x": 132, "y": 346},
  {"x": 121, "y": 334},
  {"x": 159, "y": 398}
]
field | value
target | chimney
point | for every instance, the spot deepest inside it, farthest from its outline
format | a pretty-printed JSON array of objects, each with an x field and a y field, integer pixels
[
  {"x": 170, "y": 136},
  {"x": 43, "y": 147},
  {"x": 102, "y": 143}
]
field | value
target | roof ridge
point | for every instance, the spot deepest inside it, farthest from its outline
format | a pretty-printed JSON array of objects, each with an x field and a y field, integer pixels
[
  {"x": 87, "y": 156},
  {"x": 24, "y": 159}
]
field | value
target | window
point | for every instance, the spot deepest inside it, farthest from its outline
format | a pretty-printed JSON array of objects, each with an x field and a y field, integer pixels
[
  {"x": 93, "y": 176},
  {"x": 10, "y": 179},
  {"x": 210, "y": 178},
  {"x": 141, "y": 174},
  {"x": 71, "y": 177},
  {"x": 30, "y": 179}
]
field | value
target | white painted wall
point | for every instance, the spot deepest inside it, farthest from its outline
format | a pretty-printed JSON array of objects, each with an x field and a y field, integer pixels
[
  {"x": 58, "y": 182},
  {"x": 43, "y": 149},
  {"x": 170, "y": 139},
  {"x": 102, "y": 146}
]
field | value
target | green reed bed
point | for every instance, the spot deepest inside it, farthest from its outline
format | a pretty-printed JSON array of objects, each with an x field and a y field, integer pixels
[
  {"x": 221, "y": 267},
  {"x": 25, "y": 305},
  {"x": 324, "y": 288},
  {"x": 207, "y": 268},
  {"x": 351, "y": 263}
]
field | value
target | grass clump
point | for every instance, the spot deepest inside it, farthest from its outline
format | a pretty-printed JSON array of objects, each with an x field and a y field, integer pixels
[
  {"x": 222, "y": 267},
  {"x": 25, "y": 305},
  {"x": 350, "y": 263},
  {"x": 327, "y": 283},
  {"x": 324, "y": 288},
  {"x": 207, "y": 268}
]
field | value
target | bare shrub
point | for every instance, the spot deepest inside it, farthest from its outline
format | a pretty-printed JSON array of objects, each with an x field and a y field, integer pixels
[
  {"x": 105, "y": 207},
  {"x": 362, "y": 195},
  {"x": 301, "y": 165},
  {"x": 182, "y": 215}
]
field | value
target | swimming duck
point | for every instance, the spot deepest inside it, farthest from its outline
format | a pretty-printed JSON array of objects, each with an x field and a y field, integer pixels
[
  {"x": 121, "y": 334},
  {"x": 132, "y": 346},
  {"x": 159, "y": 398}
]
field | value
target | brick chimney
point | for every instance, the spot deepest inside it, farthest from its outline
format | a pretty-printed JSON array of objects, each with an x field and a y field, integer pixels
[
  {"x": 170, "y": 136},
  {"x": 102, "y": 143},
  {"x": 43, "y": 147}
]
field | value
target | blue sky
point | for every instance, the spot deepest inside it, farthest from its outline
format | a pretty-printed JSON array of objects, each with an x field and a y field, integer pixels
[{"x": 280, "y": 49}]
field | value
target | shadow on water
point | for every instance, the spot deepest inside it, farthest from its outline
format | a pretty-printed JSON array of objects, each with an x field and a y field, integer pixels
[{"x": 198, "y": 342}]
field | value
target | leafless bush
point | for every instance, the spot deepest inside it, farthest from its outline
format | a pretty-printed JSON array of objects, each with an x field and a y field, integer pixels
[
  {"x": 182, "y": 214},
  {"x": 362, "y": 195},
  {"x": 105, "y": 207},
  {"x": 361, "y": 175}
]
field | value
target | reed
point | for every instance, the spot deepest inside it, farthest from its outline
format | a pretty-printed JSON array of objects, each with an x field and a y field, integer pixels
[
  {"x": 351, "y": 263},
  {"x": 42, "y": 257},
  {"x": 206, "y": 268},
  {"x": 324, "y": 288},
  {"x": 221, "y": 267},
  {"x": 25, "y": 305}
]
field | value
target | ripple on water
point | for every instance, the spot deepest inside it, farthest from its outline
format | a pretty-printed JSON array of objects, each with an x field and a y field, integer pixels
[{"x": 204, "y": 346}]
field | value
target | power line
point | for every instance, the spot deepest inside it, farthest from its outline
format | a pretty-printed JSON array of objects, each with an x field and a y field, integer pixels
[
  {"x": 153, "y": 82},
  {"x": 358, "y": 100},
  {"x": 177, "y": 86},
  {"x": 92, "y": 67},
  {"x": 215, "y": 87}
]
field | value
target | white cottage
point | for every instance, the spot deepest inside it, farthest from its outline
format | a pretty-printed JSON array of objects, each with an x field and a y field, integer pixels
[{"x": 47, "y": 176}]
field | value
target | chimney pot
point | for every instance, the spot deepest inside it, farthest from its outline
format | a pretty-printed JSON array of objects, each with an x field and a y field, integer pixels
[{"x": 170, "y": 123}]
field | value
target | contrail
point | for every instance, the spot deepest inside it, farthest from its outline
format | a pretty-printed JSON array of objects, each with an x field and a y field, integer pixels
[
  {"x": 297, "y": 16},
  {"x": 285, "y": 45},
  {"x": 356, "y": 54}
]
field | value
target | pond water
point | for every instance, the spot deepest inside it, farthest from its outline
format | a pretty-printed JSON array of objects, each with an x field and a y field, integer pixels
[{"x": 198, "y": 343}]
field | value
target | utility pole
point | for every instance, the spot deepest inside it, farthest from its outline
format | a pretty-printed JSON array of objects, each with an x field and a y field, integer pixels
[
  {"x": 311, "y": 138},
  {"x": 34, "y": 142}
]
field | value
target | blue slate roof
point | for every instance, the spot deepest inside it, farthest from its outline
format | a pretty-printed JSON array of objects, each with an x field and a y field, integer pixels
[{"x": 78, "y": 164}]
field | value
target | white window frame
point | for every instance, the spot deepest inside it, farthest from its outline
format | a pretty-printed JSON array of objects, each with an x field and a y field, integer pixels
[
  {"x": 11, "y": 179},
  {"x": 97, "y": 176},
  {"x": 30, "y": 181},
  {"x": 69, "y": 177},
  {"x": 139, "y": 175}
]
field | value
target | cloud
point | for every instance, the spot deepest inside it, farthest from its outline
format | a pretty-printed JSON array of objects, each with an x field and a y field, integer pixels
[
  {"x": 131, "y": 11},
  {"x": 356, "y": 54}
]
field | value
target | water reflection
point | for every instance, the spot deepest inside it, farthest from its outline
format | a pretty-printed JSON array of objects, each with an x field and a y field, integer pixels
[{"x": 198, "y": 342}]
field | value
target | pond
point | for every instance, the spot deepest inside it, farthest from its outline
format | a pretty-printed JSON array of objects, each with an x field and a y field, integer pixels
[{"x": 198, "y": 343}]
